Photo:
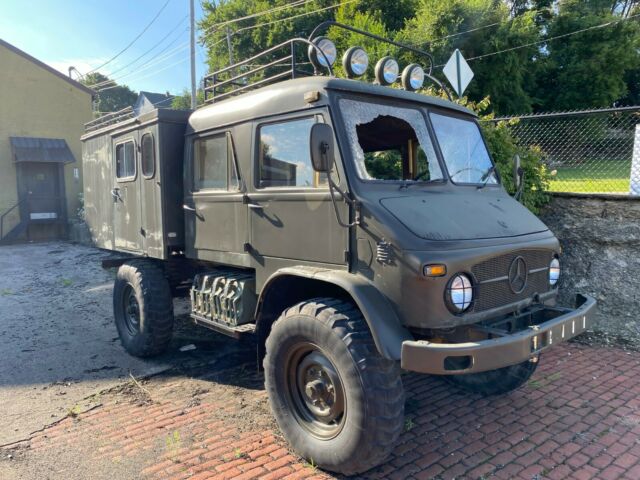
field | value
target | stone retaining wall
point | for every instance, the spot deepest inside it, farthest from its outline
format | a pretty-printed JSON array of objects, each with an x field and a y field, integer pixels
[{"x": 600, "y": 239}]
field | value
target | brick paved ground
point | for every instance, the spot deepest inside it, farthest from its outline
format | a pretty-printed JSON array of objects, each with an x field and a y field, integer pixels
[{"x": 578, "y": 418}]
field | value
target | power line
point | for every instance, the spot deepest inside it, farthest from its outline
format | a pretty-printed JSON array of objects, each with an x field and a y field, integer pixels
[
  {"x": 183, "y": 46},
  {"x": 182, "y": 60},
  {"x": 550, "y": 39},
  {"x": 294, "y": 16},
  {"x": 465, "y": 32},
  {"x": 151, "y": 61},
  {"x": 134, "y": 40},
  {"x": 257, "y": 14},
  {"x": 153, "y": 47}
]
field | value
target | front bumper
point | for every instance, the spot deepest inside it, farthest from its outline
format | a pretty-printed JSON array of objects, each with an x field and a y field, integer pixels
[{"x": 551, "y": 326}]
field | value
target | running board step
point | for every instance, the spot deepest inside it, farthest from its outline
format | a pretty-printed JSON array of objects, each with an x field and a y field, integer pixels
[{"x": 230, "y": 330}]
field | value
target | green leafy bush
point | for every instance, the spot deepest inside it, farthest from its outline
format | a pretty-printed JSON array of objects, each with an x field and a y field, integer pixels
[{"x": 536, "y": 175}]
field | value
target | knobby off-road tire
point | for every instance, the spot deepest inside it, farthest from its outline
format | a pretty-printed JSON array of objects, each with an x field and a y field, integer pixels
[
  {"x": 143, "y": 308},
  {"x": 496, "y": 382},
  {"x": 322, "y": 349}
]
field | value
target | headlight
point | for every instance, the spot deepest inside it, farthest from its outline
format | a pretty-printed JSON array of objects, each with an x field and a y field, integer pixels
[
  {"x": 554, "y": 271},
  {"x": 412, "y": 77},
  {"x": 387, "y": 71},
  {"x": 459, "y": 293},
  {"x": 327, "y": 47},
  {"x": 355, "y": 62}
]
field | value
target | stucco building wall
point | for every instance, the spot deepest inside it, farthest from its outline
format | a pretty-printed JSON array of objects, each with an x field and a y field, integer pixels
[{"x": 35, "y": 102}]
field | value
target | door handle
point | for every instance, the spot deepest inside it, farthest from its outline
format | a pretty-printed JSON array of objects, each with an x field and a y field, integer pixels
[
  {"x": 188, "y": 208},
  {"x": 255, "y": 206},
  {"x": 115, "y": 193}
]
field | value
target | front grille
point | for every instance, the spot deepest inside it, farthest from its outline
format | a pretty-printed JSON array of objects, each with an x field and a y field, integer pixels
[{"x": 492, "y": 287}]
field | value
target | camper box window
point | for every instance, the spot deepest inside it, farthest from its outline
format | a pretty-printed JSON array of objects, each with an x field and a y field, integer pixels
[
  {"x": 125, "y": 161},
  {"x": 148, "y": 158}
]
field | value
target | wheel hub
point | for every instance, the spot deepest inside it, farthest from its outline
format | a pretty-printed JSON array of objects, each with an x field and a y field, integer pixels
[
  {"x": 317, "y": 392},
  {"x": 132, "y": 310}
]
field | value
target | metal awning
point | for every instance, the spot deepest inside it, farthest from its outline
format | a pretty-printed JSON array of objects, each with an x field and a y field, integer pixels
[{"x": 32, "y": 149}]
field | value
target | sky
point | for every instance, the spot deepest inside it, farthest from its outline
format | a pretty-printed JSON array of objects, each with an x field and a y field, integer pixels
[{"x": 87, "y": 33}]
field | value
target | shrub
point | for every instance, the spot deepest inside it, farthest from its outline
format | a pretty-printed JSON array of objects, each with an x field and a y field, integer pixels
[{"x": 536, "y": 175}]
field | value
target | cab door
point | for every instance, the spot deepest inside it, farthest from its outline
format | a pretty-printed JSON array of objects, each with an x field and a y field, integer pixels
[
  {"x": 291, "y": 213},
  {"x": 126, "y": 194},
  {"x": 215, "y": 213}
]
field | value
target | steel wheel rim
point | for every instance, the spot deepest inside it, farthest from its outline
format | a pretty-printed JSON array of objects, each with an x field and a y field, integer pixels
[
  {"x": 131, "y": 310},
  {"x": 315, "y": 392}
]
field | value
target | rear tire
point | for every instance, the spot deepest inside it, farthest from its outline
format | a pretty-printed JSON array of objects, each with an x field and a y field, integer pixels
[
  {"x": 143, "y": 308},
  {"x": 337, "y": 401},
  {"x": 496, "y": 382}
]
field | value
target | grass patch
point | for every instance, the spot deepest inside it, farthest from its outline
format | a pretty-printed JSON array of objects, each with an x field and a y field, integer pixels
[{"x": 595, "y": 176}]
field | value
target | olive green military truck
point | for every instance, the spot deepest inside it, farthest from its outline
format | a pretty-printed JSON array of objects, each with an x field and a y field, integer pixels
[{"x": 354, "y": 229}]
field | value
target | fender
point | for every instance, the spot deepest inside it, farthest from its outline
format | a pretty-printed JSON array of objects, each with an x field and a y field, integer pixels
[{"x": 386, "y": 329}]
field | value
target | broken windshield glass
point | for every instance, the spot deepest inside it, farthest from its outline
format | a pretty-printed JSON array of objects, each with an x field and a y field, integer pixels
[{"x": 390, "y": 143}]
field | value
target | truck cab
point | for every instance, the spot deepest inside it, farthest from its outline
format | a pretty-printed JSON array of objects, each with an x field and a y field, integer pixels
[{"x": 354, "y": 230}]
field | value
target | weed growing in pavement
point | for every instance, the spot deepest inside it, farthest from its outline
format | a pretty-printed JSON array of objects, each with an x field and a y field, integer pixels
[
  {"x": 4, "y": 292},
  {"x": 409, "y": 424},
  {"x": 239, "y": 453},
  {"x": 535, "y": 384},
  {"x": 311, "y": 465},
  {"x": 173, "y": 440},
  {"x": 74, "y": 411},
  {"x": 66, "y": 282}
]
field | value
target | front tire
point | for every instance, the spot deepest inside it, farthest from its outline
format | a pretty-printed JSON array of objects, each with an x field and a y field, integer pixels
[
  {"x": 496, "y": 382},
  {"x": 143, "y": 308},
  {"x": 336, "y": 400}
]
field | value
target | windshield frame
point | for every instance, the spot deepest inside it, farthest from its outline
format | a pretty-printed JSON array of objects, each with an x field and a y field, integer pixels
[
  {"x": 422, "y": 111},
  {"x": 465, "y": 118}
]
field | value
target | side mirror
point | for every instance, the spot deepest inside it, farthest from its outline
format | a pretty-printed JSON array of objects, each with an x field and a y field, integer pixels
[
  {"x": 322, "y": 143},
  {"x": 517, "y": 171}
]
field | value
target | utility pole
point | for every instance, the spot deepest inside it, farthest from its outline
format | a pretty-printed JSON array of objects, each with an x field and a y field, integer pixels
[
  {"x": 229, "y": 46},
  {"x": 193, "y": 54}
]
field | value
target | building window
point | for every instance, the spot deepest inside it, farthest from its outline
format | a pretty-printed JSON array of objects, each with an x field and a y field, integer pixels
[
  {"x": 148, "y": 158},
  {"x": 214, "y": 165},
  {"x": 125, "y": 161}
]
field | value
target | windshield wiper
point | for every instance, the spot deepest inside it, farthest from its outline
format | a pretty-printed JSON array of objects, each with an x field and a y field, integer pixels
[{"x": 485, "y": 178}]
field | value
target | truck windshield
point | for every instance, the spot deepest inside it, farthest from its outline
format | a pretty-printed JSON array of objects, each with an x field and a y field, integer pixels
[
  {"x": 463, "y": 149},
  {"x": 390, "y": 143}
]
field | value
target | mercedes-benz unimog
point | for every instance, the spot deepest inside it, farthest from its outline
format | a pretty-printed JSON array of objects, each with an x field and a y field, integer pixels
[{"x": 353, "y": 229}]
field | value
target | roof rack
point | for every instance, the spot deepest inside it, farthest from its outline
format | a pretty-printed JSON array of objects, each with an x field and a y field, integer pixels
[
  {"x": 236, "y": 79},
  {"x": 109, "y": 119}
]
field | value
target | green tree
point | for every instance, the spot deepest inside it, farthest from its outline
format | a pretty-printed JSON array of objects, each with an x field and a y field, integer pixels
[
  {"x": 183, "y": 101},
  {"x": 507, "y": 78},
  {"x": 112, "y": 97},
  {"x": 588, "y": 69}
]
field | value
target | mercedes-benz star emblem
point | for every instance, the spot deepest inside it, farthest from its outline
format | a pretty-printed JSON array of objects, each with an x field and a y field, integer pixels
[{"x": 518, "y": 273}]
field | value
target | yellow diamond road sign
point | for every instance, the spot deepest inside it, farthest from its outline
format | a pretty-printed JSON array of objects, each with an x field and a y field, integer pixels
[{"x": 458, "y": 72}]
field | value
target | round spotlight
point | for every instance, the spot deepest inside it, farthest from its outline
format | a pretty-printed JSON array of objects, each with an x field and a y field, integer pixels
[
  {"x": 327, "y": 47},
  {"x": 355, "y": 62},
  {"x": 412, "y": 77},
  {"x": 387, "y": 70}
]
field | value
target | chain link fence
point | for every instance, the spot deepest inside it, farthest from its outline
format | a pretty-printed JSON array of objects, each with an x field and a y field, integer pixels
[{"x": 589, "y": 151}]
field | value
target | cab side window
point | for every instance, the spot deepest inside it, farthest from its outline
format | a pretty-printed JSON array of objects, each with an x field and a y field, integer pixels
[
  {"x": 125, "y": 161},
  {"x": 284, "y": 159},
  {"x": 214, "y": 165}
]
